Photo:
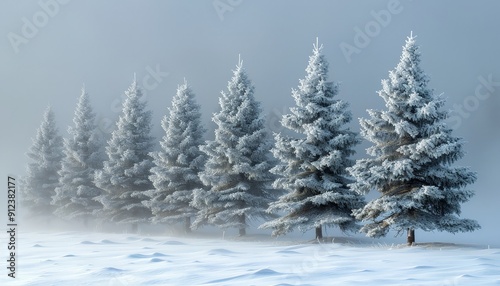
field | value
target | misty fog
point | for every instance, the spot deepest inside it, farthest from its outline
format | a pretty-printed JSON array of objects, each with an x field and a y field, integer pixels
[{"x": 49, "y": 52}]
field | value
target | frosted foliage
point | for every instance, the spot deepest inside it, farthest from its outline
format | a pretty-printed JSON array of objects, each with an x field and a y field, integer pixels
[
  {"x": 45, "y": 161},
  {"x": 411, "y": 158},
  {"x": 124, "y": 177},
  {"x": 237, "y": 169},
  {"x": 75, "y": 196},
  {"x": 176, "y": 166},
  {"x": 312, "y": 166}
]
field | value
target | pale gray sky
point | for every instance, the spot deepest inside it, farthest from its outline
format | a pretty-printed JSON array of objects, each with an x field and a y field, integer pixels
[{"x": 50, "y": 48}]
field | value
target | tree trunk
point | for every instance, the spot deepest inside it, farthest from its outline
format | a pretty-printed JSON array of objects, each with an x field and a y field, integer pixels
[
  {"x": 242, "y": 227},
  {"x": 134, "y": 227},
  {"x": 411, "y": 236},
  {"x": 187, "y": 225},
  {"x": 319, "y": 232}
]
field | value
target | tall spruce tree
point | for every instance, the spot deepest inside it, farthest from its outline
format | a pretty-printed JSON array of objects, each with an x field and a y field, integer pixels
[
  {"x": 411, "y": 158},
  {"x": 237, "y": 167},
  {"x": 42, "y": 178},
  {"x": 312, "y": 166},
  {"x": 75, "y": 196},
  {"x": 175, "y": 174},
  {"x": 124, "y": 177}
]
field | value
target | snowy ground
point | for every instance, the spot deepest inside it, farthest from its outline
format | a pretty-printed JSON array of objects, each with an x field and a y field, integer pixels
[{"x": 78, "y": 258}]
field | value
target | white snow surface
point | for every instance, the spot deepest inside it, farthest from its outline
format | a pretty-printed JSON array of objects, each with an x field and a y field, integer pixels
[{"x": 78, "y": 258}]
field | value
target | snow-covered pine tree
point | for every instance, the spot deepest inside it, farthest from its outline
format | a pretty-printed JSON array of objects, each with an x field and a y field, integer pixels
[
  {"x": 312, "y": 167},
  {"x": 75, "y": 196},
  {"x": 124, "y": 177},
  {"x": 238, "y": 161},
  {"x": 175, "y": 174},
  {"x": 411, "y": 158},
  {"x": 42, "y": 178}
]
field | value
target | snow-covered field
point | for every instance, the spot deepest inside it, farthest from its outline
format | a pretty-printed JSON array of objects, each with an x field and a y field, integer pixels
[{"x": 78, "y": 258}]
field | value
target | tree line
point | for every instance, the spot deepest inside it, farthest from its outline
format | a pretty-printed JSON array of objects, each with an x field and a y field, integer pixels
[{"x": 305, "y": 179}]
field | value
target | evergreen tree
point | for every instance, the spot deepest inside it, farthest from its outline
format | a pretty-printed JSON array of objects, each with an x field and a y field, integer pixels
[
  {"x": 237, "y": 167},
  {"x": 42, "y": 177},
  {"x": 411, "y": 158},
  {"x": 177, "y": 165},
  {"x": 313, "y": 166},
  {"x": 124, "y": 177},
  {"x": 76, "y": 193}
]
